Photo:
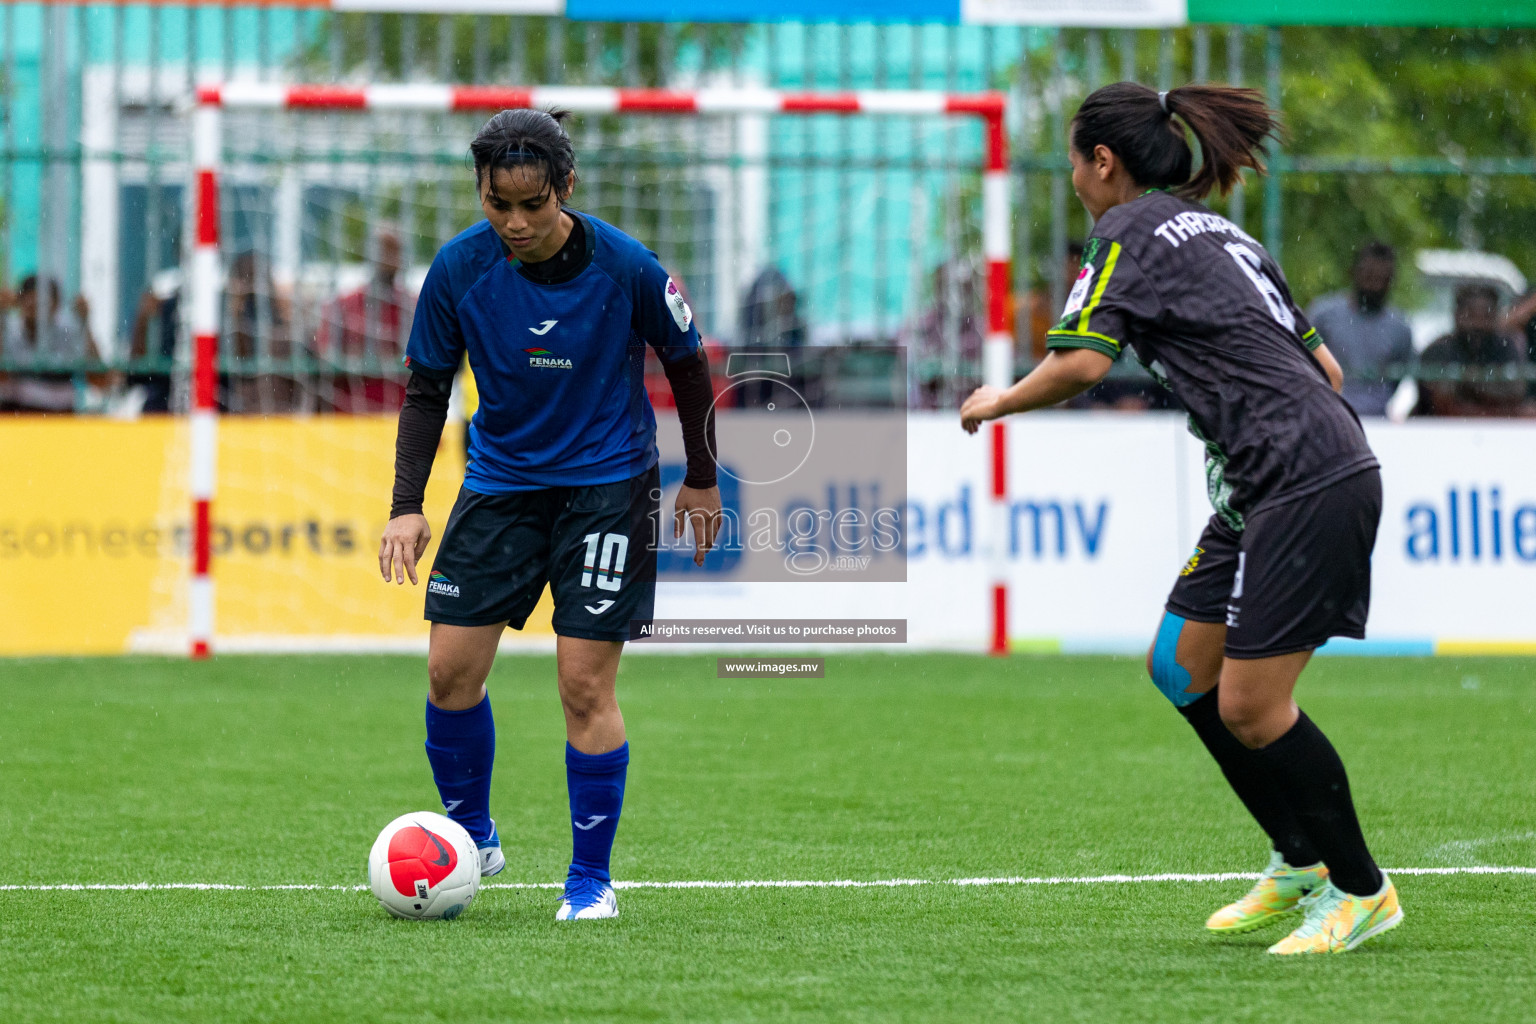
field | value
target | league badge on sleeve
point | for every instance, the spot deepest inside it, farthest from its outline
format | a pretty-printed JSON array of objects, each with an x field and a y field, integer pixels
[
  {"x": 681, "y": 314},
  {"x": 1079, "y": 293}
]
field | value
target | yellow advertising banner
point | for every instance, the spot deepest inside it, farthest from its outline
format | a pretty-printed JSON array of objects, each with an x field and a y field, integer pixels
[{"x": 94, "y": 535}]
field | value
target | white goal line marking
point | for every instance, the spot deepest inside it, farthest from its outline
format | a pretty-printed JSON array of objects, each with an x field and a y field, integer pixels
[{"x": 883, "y": 883}]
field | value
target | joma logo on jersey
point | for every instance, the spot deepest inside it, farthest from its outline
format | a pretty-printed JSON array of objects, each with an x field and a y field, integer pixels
[
  {"x": 544, "y": 359},
  {"x": 437, "y": 583}
]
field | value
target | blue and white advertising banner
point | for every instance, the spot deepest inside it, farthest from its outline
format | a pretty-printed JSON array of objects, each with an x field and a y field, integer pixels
[
  {"x": 1104, "y": 508},
  {"x": 548, "y": 7},
  {"x": 1062, "y": 13},
  {"x": 1456, "y": 555},
  {"x": 888, "y": 11},
  {"x": 1066, "y": 13},
  {"x": 1082, "y": 13}
]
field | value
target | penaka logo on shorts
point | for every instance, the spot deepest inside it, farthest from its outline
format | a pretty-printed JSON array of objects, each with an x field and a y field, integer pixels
[
  {"x": 437, "y": 583},
  {"x": 544, "y": 359}
]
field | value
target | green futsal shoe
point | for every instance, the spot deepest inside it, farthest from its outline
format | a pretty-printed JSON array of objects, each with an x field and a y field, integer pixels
[{"x": 1278, "y": 892}]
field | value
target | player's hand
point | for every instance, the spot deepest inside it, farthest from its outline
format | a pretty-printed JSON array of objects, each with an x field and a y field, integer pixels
[
  {"x": 981, "y": 406},
  {"x": 405, "y": 540},
  {"x": 702, "y": 508}
]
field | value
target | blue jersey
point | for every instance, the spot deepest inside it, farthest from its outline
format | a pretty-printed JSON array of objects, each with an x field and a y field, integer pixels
[{"x": 559, "y": 367}]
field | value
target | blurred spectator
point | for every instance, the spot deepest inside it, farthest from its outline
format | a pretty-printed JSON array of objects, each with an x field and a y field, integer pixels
[
  {"x": 944, "y": 342},
  {"x": 1486, "y": 360},
  {"x": 258, "y": 341},
  {"x": 1126, "y": 394},
  {"x": 770, "y": 314},
  {"x": 1520, "y": 324},
  {"x": 153, "y": 336},
  {"x": 1368, "y": 337},
  {"x": 362, "y": 335},
  {"x": 54, "y": 342},
  {"x": 770, "y": 319},
  {"x": 660, "y": 390}
]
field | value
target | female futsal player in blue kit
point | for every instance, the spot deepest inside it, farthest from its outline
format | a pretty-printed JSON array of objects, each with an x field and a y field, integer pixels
[{"x": 554, "y": 309}]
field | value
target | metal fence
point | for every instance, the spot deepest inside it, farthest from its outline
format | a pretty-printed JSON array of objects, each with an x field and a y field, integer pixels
[{"x": 869, "y": 227}]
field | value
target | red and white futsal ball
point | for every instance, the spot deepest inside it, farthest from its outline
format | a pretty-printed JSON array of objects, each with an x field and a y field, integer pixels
[{"x": 424, "y": 866}]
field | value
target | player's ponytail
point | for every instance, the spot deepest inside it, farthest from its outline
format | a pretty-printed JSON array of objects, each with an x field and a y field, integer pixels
[
  {"x": 526, "y": 138},
  {"x": 1137, "y": 125}
]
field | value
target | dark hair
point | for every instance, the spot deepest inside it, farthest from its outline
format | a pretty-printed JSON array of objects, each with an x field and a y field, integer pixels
[
  {"x": 1375, "y": 249},
  {"x": 1232, "y": 126},
  {"x": 29, "y": 284},
  {"x": 526, "y": 138},
  {"x": 1475, "y": 290}
]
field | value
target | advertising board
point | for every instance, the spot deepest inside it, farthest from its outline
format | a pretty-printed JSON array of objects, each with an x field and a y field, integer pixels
[{"x": 1103, "y": 510}]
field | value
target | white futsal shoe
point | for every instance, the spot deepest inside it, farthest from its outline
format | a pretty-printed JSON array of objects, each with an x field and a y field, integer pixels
[
  {"x": 587, "y": 899},
  {"x": 491, "y": 858}
]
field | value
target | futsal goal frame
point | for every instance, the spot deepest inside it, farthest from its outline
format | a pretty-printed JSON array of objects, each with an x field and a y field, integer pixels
[{"x": 204, "y": 282}]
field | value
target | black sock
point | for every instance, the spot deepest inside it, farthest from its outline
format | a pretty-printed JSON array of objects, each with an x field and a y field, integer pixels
[
  {"x": 1316, "y": 788},
  {"x": 1251, "y": 780}
]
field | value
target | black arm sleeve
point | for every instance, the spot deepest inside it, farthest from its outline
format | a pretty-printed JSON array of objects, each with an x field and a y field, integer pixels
[
  {"x": 695, "y": 396},
  {"x": 421, "y": 428}
]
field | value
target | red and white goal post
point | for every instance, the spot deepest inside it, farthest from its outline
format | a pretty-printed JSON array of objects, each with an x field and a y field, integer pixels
[{"x": 205, "y": 284}]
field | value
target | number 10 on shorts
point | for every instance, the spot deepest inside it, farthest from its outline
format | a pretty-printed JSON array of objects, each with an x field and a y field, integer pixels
[{"x": 605, "y": 560}]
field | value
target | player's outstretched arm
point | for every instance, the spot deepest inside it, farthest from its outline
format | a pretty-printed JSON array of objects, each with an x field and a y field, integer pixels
[{"x": 1064, "y": 373}]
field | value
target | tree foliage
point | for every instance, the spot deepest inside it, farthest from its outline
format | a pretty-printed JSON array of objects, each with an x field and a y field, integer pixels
[
  {"x": 1403, "y": 95},
  {"x": 1392, "y": 134},
  {"x": 1420, "y": 137}
]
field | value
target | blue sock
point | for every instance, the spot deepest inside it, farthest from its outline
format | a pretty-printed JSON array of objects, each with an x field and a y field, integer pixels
[
  {"x": 461, "y": 745},
  {"x": 596, "y": 785}
]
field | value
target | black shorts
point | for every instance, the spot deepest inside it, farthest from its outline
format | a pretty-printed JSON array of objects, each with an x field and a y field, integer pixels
[
  {"x": 595, "y": 546},
  {"x": 1299, "y": 573}
]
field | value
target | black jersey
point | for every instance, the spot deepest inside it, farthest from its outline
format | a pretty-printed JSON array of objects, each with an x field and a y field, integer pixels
[{"x": 1209, "y": 314}]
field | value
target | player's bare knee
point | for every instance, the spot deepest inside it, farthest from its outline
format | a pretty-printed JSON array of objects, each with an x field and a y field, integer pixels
[
  {"x": 583, "y": 695},
  {"x": 1244, "y": 718},
  {"x": 449, "y": 680},
  {"x": 581, "y": 705}
]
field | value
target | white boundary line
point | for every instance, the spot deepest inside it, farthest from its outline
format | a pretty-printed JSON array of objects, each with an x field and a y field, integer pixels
[{"x": 883, "y": 883}]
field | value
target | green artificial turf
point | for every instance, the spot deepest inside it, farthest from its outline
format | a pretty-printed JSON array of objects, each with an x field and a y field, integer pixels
[{"x": 280, "y": 770}]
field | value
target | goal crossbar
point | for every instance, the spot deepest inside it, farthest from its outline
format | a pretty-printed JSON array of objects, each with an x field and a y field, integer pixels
[
  {"x": 584, "y": 99},
  {"x": 204, "y": 284}
]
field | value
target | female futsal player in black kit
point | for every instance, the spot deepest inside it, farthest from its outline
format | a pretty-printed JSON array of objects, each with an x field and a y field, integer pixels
[{"x": 1285, "y": 562}]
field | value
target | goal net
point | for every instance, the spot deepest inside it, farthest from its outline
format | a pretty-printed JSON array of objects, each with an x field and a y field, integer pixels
[{"x": 820, "y": 222}]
